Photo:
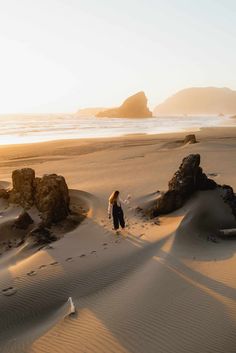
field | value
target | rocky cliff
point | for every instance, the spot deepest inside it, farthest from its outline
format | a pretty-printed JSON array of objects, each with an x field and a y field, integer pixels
[
  {"x": 198, "y": 101},
  {"x": 133, "y": 107}
]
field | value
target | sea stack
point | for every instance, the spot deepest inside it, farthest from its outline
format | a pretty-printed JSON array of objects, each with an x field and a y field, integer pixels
[{"x": 133, "y": 107}]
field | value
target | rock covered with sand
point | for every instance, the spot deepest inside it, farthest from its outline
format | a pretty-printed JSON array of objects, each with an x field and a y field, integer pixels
[
  {"x": 49, "y": 194},
  {"x": 190, "y": 139},
  {"x": 188, "y": 179},
  {"x": 51, "y": 197},
  {"x": 23, "y": 221},
  {"x": 42, "y": 235},
  {"x": 22, "y": 192}
]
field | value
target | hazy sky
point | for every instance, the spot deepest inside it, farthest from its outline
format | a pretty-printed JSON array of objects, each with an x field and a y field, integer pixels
[{"x": 60, "y": 55}]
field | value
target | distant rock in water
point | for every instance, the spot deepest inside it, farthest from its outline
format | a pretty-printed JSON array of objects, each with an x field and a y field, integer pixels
[
  {"x": 49, "y": 194},
  {"x": 188, "y": 179},
  {"x": 190, "y": 139},
  {"x": 133, "y": 107},
  {"x": 89, "y": 112},
  {"x": 198, "y": 101}
]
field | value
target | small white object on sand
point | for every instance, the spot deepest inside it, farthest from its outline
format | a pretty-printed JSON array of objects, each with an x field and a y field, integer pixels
[{"x": 72, "y": 306}]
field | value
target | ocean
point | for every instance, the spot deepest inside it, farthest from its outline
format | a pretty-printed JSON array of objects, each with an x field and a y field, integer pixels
[{"x": 16, "y": 129}]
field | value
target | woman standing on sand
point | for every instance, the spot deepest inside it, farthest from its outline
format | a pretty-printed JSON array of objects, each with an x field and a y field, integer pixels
[{"x": 115, "y": 209}]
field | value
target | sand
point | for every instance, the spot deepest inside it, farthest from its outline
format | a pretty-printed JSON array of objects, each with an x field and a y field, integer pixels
[{"x": 161, "y": 286}]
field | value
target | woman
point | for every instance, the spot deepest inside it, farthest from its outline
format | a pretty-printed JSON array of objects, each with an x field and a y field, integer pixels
[{"x": 115, "y": 209}]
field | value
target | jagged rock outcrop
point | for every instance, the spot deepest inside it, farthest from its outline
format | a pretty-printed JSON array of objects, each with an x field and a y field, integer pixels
[
  {"x": 133, "y": 107},
  {"x": 188, "y": 179},
  {"x": 51, "y": 197},
  {"x": 190, "y": 139},
  {"x": 23, "y": 187},
  {"x": 49, "y": 194},
  {"x": 23, "y": 221}
]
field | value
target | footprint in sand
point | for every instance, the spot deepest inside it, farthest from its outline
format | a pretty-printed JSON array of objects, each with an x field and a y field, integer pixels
[
  {"x": 54, "y": 263},
  {"x": 69, "y": 259},
  {"x": 42, "y": 266},
  {"x": 82, "y": 255},
  {"x": 9, "y": 291},
  {"x": 104, "y": 244},
  {"x": 31, "y": 273},
  {"x": 117, "y": 241},
  {"x": 93, "y": 252}
]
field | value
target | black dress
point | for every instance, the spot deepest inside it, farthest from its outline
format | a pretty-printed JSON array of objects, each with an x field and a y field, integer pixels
[{"x": 118, "y": 216}]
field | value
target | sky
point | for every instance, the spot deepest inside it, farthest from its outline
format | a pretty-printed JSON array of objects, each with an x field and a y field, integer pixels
[{"x": 62, "y": 55}]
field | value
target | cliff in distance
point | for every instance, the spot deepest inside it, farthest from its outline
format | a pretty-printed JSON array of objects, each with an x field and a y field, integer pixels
[{"x": 200, "y": 100}]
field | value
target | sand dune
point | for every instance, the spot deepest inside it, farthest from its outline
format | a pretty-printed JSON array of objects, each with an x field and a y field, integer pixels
[{"x": 162, "y": 286}]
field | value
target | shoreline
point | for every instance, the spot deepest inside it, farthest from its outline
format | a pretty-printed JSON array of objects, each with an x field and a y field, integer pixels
[
  {"x": 72, "y": 129},
  {"x": 165, "y": 135}
]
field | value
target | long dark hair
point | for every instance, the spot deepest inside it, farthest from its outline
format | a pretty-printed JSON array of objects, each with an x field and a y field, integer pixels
[{"x": 114, "y": 196}]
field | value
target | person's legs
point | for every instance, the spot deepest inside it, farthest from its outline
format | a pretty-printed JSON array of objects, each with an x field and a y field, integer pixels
[
  {"x": 121, "y": 219},
  {"x": 115, "y": 221}
]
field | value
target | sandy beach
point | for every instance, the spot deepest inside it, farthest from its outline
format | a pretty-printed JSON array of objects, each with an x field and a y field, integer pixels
[{"x": 161, "y": 286}]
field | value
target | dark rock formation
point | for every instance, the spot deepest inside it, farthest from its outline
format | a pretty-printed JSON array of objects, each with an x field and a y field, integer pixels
[
  {"x": 49, "y": 194},
  {"x": 23, "y": 187},
  {"x": 229, "y": 197},
  {"x": 23, "y": 221},
  {"x": 188, "y": 179},
  {"x": 4, "y": 194},
  {"x": 52, "y": 198},
  {"x": 41, "y": 235},
  {"x": 190, "y": 139},
  {"x": 133, "y": 107}
]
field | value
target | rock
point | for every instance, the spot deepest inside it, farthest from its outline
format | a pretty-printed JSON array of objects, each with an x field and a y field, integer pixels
[
  {"x": 49, "y": 194},
  {"x": 4, "y": 194},
  {"x": 23, "y": 187},
  {"x": 133, "y": 107},
  {"x": 23, "y": 221},
  {"x": 42, "y": 235},
  {"x": 52, "y": 198},
  {"x": 229, "y": 197},
  {"x": 188, "y": 179},
  {"x": 190, "y": 139}
]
